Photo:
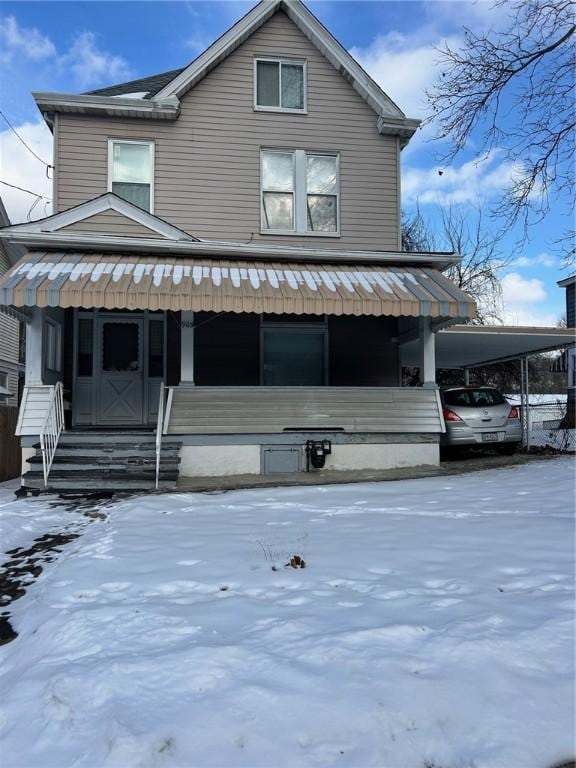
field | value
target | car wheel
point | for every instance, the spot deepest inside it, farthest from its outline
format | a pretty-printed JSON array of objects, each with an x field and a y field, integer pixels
[{"x": 508, "y": 448}]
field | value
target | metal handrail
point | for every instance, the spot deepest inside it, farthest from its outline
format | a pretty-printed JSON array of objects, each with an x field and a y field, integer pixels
[{"x": 51, "y": 429}]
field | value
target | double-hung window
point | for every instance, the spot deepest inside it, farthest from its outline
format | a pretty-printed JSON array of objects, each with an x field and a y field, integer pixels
[
  {"x": 300, "y": 191},
  {"x": 131, "y": 171},
  {"x": 279, "y": 85}
]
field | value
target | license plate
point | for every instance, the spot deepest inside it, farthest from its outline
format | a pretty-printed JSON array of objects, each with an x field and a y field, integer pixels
[{"x": 490, "y": 437}]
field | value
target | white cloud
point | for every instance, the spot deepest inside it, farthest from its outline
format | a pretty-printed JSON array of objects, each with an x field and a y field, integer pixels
[
  {"x": 23, "y": 41},
  {"x": 404, "y": 66},
  {"x": 540, "y": 260},
  {"x": 19, "y": 167},
  {"x": 473, "y": 182},
  {"x": 477, "y": 15},
  {"x": 90, "y": 65},
  {"x": 518, "y": 290},
  {"x": 519, "y": 296},
  {"x": 529, "y": 318}
]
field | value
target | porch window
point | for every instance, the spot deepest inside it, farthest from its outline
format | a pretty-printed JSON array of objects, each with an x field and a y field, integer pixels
[
  {"x": 52, "y": 345},
  {"x": 300, "y": 192},
  {"x": 156, "y": 348},
  {"x": 293, "y": 356},
  {"x": 120, "y": 347},
  {"x": 131, "y": 171},
  {"x": 280, "y": 85},
  {"x": 84, "y": 360}
]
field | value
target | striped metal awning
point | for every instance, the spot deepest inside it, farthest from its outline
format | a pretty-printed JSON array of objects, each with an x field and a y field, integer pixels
[{"x": 222, "y": 285}]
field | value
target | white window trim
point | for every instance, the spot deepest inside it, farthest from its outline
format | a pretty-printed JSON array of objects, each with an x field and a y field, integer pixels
[
  {"x": 152, "y": 150},
  {"x": 4, "y": 379},
  {"x": 300, "y": 193},
  {"x": 280, "y": 61},
  {"x": 48, "y": 322}
]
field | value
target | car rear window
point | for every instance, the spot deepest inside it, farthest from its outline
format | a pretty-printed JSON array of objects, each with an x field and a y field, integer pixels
[{"x": 473, "y": 398}]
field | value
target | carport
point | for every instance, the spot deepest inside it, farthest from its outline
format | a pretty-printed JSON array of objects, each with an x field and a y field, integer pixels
[{"x": 464, "y": 347}]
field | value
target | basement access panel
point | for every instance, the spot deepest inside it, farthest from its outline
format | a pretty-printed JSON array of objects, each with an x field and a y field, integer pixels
[{"x": 282, "y": 459}]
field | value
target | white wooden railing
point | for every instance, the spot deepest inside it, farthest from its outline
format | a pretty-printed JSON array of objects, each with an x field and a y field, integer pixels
[
  {"x": 164, "y": 407},
  {"x": 51, "y": 429},
  {"x": 159, "y": 430}
]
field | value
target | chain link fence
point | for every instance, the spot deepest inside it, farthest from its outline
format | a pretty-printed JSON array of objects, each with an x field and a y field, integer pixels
[{"x": 549, "y": 426}]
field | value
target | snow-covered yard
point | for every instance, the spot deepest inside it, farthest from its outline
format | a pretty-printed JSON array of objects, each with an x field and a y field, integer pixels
[{"x": 432, "y": 626}]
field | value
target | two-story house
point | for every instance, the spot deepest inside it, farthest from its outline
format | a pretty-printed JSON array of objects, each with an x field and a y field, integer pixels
[{"x": 224, "y": 268}]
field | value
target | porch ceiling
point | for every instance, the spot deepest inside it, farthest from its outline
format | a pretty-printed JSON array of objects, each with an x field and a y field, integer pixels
[{"x": 47, "y": 279}]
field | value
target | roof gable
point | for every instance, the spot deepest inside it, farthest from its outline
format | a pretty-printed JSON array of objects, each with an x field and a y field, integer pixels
[
  {"x": 94, "y": 214},
  {"x": 312, "y": 28}
]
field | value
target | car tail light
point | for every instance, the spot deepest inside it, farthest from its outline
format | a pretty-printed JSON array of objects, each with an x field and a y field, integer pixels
[
  {"x": 514, "y": 413},
  {"x": 450, "y": 415}
]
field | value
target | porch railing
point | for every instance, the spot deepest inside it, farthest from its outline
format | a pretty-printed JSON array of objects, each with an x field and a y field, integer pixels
[
  {"x": 51, "y": 430},
  {"x": 164, "y": 407}
]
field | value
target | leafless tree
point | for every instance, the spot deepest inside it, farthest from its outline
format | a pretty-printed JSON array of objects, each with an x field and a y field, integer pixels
[
  {"x": 478, "y": 272},
  {"x": 514, "y": 90}
]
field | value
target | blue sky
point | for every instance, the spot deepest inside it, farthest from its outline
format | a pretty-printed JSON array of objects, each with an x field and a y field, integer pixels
[{"x": 77, "y": 46}]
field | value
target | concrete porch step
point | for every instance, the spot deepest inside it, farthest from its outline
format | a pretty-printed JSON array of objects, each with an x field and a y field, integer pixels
[
  {"x": 102, "y": 438},
  {"x": 76, "y": 459},
  {"x": 106, "y": 461},
  {"x": 63, "y": 485}
]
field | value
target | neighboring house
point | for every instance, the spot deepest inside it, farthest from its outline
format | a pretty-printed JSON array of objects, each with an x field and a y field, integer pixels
[
  {"x": 231, "y": 230},
  {"x": 569, "y": 283},
  {"x": 11, "y": 347}
]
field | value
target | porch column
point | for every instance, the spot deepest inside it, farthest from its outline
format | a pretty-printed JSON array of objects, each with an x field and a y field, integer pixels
[
  {"x": 427, "y": 353},
  {"x": 34, "y": 342},
  {"x": 187, "y": 348}
]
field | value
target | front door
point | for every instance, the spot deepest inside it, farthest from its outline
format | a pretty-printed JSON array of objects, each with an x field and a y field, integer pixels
[{"x": 120, "y": 371}]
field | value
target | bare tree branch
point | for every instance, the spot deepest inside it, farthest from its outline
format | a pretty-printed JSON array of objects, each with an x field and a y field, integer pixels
[
  {"x": 478, "y": 272},
  {"x": 515, "y": 90}
]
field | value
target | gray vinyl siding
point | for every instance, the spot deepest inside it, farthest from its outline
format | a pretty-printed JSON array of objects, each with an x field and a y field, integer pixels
[
  {"x": 571, "y": 305},
  {"x": 9, "y": 330},
  {"x": 207, "y": 174},
  {"x": 111, "y": 221}
]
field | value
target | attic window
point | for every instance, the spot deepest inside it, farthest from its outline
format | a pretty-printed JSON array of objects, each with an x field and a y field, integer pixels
[{"x": 279, "y": 85}]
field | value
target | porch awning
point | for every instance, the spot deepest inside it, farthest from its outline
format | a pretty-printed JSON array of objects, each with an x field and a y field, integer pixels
[{"x": 45, "y": 279}]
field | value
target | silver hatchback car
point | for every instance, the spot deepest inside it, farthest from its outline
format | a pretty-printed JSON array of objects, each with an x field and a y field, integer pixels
[{"x": 476, "y": 416}]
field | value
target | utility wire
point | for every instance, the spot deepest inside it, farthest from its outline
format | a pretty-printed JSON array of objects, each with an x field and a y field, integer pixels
[
  {"x": 26, "y": 190},
  {"x": 15, "y": 132}
]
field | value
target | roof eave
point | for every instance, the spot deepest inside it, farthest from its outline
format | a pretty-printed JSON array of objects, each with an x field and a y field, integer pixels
[
  {"x": 404, "y": 127},
  {"x": 112, "y": 106},
  {"x": 265, "y": 251}
]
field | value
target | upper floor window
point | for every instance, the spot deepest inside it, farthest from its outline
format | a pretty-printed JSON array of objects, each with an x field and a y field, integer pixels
[
  {"x": 280, "y": 85},
  {"x": 131, "y": 171},
  {"x": 300, "y": 192}
]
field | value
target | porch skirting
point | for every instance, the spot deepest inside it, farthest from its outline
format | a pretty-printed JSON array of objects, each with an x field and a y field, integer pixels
[{"x": 243, "y": 459}]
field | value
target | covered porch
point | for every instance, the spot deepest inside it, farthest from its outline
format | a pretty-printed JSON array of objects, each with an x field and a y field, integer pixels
[{"x": 245, "y": 362}]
